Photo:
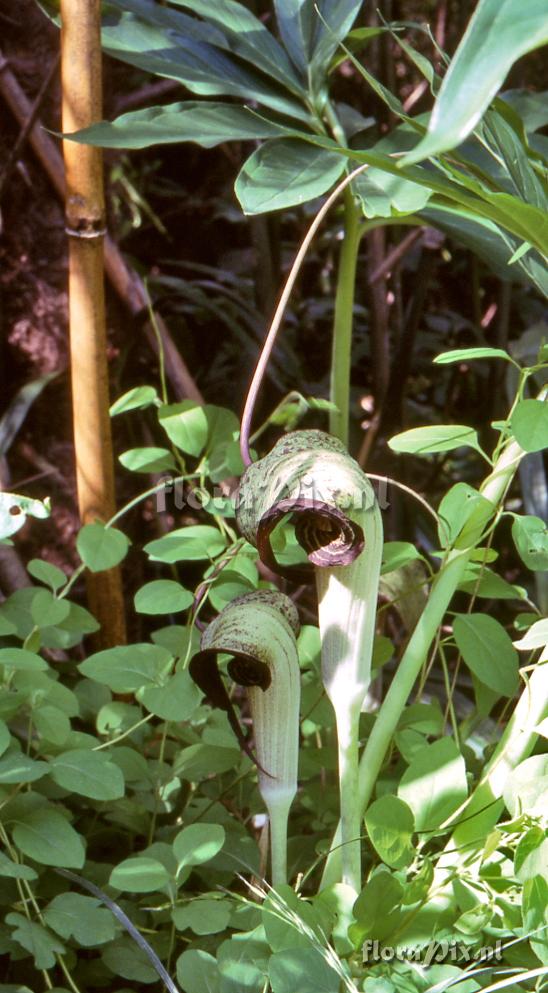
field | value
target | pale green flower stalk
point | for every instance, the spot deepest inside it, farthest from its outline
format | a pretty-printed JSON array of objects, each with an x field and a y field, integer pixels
[
  {"x": 311, "y": 476},
  {"x": 259, "y": 631}
]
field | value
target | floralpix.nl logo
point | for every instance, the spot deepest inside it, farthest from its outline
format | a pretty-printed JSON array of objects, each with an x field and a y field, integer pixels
[
  {"x": 434, "y": 951},
  {"x": 173, "y": 493}
]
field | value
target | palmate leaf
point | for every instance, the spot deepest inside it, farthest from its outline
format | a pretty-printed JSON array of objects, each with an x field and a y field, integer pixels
[{"x": 499, "y": 33}]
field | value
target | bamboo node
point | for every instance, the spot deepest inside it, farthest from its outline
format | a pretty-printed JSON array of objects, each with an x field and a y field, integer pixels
[{"x": 86, "y": 228}]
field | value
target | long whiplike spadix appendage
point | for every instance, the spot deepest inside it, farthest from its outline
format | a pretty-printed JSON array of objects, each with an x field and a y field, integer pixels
[
  {"x": 259, "y": 631},
  {"x": 310, "y": 476}
]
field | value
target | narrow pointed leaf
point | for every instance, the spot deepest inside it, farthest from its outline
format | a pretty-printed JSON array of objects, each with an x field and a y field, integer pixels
[
  {"x": 499, "y": 33},
  {"x": 207, "y": 123}
]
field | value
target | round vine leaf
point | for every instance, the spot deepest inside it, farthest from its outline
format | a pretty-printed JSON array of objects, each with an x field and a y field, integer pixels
[
  {"x": 135, "y": 399},
  {"x": 20, "y": 658},
  {"x": 529, "y": 425},
  {"x": 101, "y": 547},
  {"x": 47, "y": 573},
  {"x": 434, "y": 438},
  {"x": 434, "y": 784},
  {"x": 151, "y": 459},
  {"x": 530, "y": 535},
  {"x": 139, "y": 875},
  {"x": 197, "y": 972},
  {"x": 47, "y": 837},
  {"x": 162, "y": 596},
  {"x": 126, "y": 668},
  {"x": 88, "y": 773},
  {"x": 47, "y": 610},
  {"x": 390, "y": 825},
  {"x": 198, "y": 843}
]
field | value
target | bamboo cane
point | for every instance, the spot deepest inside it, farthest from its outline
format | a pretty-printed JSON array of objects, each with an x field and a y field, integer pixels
[{"x": 85, "y": 226}]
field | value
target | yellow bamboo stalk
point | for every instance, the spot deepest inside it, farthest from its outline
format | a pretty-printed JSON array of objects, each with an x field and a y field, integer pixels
[{"x": 85, "y": 225}]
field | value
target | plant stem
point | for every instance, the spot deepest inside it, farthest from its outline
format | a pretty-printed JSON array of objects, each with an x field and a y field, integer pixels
[
  {"x": 348, "y": 747},
  {"x": 342, "y": 325},
  {"x": 443, "y": 589},
  {"x": 278, "y": 816}
]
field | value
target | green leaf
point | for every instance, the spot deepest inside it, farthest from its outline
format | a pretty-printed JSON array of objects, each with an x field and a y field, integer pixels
[
  {"x": 126, "y": 959},
  {"x": 489, "y": 241},
  {"x": 312, "y": 31},
  {"x": 383, "y": 195},
  {"x": 47, "y": 610},
  {"x": 197, "y": 972},
  {"x": 435, "y": 438},
  {"x": 535, "y": 916},
  {"x": 19, "y": 658},
  {"x": 35, "y": 939},
  {"x": 229, "y": 585},
  {"x": 169, "y": 43},
  {"x": 285, "y": 919},
  {"x": 17, "y": 767},
  {"x": 529, "y": 425},
  {"x": 185, "y": 424},
  {"x": 526, "y": 788},
  {"x": 531, "y": 855},
  {"x": 396, "y": 554},
  {"x": 80, "y": 917},
  {"x": 455, "y": 512},
  {"x": 198, "y": 843},
  {"x": 199, "y": 541},
  {"x": 101, "y": 547},
  {"x": 88, "y": 773},
  {"x": 51, "y": 724},
  {"x": 434, "y": 785},
  {"x": 47, "y": 573},
  {"x": 302, "y": 969},
  {"x": 480, "y": 581},
  {"x": 242, "y": 963},
  {"x": 470, "y": 354},
  {"x": 530, "y": 536},
  {"x": 126, "y": 668},
  {"x": 488, "y": 651},
  {"x": 284, "y": 173},
  {"x": 249, "y": 39},
  {"x": 162, "y": 596},
  {"x": 147, "y": 460},
  {"x": 390, "y": 825},
  {"x": 499, "y": 33},
  {"x": 47, "y": 837},
  {"x": 378, "y": 907},
  {"x": 139, "y": 875},
  {"x": 175, "y": 701},
  {"x": 202, "y": 916},
  {"x": 140, "y": 396},
  {"x": 15, "y": 870},
  {"x": 5, "y": 737}
]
